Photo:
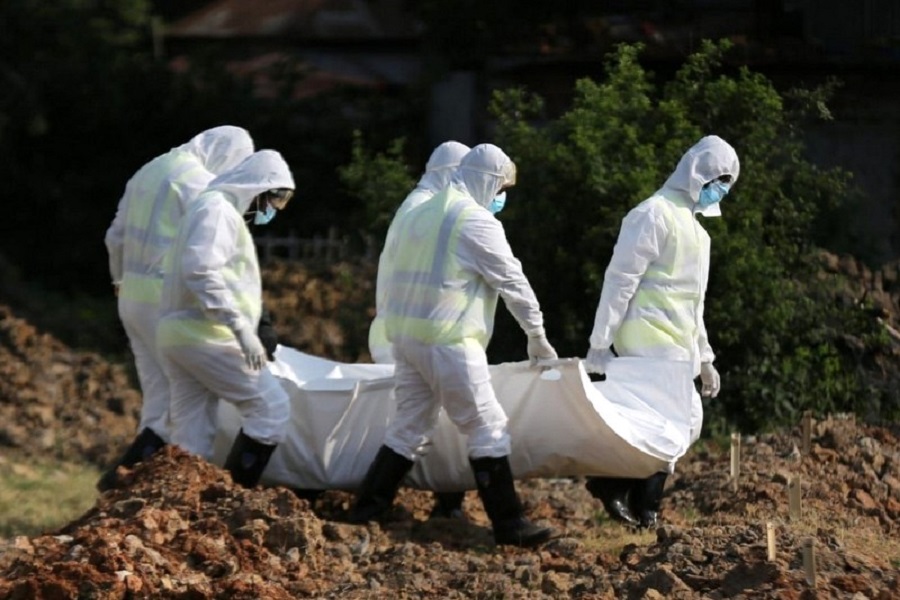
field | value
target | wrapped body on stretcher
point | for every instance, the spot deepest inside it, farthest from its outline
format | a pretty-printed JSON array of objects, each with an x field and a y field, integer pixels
[{"x": 561, "y": 423}]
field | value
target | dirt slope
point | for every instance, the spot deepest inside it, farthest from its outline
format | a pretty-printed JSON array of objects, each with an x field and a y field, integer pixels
[{"x": 178, "y": 528}]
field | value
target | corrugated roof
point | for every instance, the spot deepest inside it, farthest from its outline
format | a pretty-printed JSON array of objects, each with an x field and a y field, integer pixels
[{"x": 314, "y": 19}]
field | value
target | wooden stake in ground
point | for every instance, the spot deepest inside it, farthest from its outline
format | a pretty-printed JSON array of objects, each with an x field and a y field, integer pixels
[
  {"x": 794, "y": 496},
  {"x": 809, "y": 561},
  {"x": 735, "y": 459},
  {"x": 807, "y": 432},
  {"x": 770, "y": 540}
]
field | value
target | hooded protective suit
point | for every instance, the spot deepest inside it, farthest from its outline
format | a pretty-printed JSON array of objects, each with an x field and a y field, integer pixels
[
  {"x": 654, "y": 288},
  {"x": 212, "y": 295},
  {"x": 652, "y": 303},
  {"x": 147, "y": 218},
  {"x": 445, "y": 263},
  {"x": 440, "y": 167}
]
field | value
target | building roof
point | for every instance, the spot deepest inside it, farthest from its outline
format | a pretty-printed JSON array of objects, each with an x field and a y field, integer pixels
[{"x": 311, "y": 19}]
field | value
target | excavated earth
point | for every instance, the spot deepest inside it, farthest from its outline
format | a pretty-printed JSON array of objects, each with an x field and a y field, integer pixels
[{"x": 178, "y": 527}]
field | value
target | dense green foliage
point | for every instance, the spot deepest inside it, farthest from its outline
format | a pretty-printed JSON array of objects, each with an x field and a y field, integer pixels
[
  {"x": 380, "y": 181},
  {"x": 86, "y": 102},
  {"x": 777, "y": 331}
]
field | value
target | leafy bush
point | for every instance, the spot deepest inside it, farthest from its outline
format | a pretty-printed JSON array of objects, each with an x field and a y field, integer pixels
[
  {"x": 86, "y": 103},
  {"x": 779, "y": 334},
  {"x": 380, "y": 181},
  {"x": 776, "y": 333}
]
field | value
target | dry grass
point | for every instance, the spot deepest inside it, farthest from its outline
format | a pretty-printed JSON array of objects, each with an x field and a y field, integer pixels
[
  {"x": 38, "y": 497},
  {"x": 610, "y": 537},
  {"x": 851, "y": 534}
]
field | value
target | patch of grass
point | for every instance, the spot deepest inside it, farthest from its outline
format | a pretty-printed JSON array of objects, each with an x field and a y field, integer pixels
[
  {"x": 611, "y": 537},
  {"x": 38, "y": 497},
  {"x": 853, "y": 536},
  {"x": 690, "y": 515}
]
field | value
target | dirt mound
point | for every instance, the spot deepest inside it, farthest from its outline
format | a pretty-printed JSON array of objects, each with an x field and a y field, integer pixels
[
  {"x": 63, "y": 404},
  {"x": 56, "y": 402},
  {"x": 324, "y": 312},
  {"x": 179, "y": 528}
]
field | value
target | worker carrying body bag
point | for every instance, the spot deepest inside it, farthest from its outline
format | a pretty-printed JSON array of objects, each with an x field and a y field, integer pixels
[{"x": 562, "y": 424}]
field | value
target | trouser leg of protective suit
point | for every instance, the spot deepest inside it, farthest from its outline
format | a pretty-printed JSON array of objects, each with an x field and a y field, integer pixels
[
  {"x": 457, "y": 378},
  {"x": 143, "y": 447},
  {"x": 379, "y": 487},
  {"x": 248, "y": 459},
  {"x": 448, "y": 505},
  {"x": 139, "y": 320},
  {"x": 646, "y": 498},
  {"x": 193, "y": 413},
  {"x": 202, "y": 375},
  {"x": 496, "y": 487},
  {"x": 614, "y": 493}
]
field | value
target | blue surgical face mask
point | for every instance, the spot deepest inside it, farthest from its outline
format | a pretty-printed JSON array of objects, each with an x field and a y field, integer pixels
[
  {"x": 497, "y": 203},
  {"x": 713, "y": 192},
  {"x": 264, "y": 217}
]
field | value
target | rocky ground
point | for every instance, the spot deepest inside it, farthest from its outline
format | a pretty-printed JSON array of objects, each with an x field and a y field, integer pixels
[{"x": 179, "y": 528}]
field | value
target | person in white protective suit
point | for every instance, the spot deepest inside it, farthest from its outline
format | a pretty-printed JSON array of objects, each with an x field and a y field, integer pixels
[
  {"x": 652, "y": 300},
  {"x": 439, "y": 169},
  {"x": 446, "y": 263},
  {"x": 155, "y": 199},
  {"x": 211, "y": 306}
]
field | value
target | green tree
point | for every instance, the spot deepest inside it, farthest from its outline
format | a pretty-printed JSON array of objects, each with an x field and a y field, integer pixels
[
  {"x": 379, "y": 181},
  {"x": 783, "y": 342},
  {"x": 79, "y": 117},
  {"x": 87, "y": 103},
  {"x": 777, "y": 333}
]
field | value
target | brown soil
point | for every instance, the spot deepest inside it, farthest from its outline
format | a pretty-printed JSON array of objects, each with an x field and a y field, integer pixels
[{"x": 179, "y": 528}]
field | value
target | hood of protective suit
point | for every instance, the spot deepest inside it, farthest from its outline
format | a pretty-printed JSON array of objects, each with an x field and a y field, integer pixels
[
  {"x": 706, "y": 160},
  {"x": 220, "y": 148},
  {"x": 261, "y": 171},
  {"x": 484, "y": 171},
  {"x": 441, "y": 165}
]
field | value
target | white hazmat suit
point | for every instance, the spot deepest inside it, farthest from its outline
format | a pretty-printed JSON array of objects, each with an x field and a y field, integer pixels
[
  {"x": 147, "y": 217},
  {"x": 652, "y": 301},
  {"x": 445, "y": 264},
  {"x": 654, "y": 289},
  {"x": 440, "y": 167},
  {"x": 211, "y": 305}
]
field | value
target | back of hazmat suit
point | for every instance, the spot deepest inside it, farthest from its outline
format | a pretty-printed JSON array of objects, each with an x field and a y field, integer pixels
[
  {"x": 652, "y": 300},
  {"x": 440, "y": 167},
  {"x": 147, "y": 217},
  {"x": 211, "y": 304},
  {"x": 446, "y": 263}
]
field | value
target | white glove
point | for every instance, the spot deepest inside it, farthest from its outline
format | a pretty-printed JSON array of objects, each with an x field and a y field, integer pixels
[
  {"x": 597, "y": 360},
  {"x": 540, "y": 349},
  {"x": 710, "y": 379},
  {"x": 252, "y": 347}
]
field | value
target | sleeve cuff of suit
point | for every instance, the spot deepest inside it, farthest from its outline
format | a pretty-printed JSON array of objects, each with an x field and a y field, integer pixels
[{"x": 536, "y": 332}]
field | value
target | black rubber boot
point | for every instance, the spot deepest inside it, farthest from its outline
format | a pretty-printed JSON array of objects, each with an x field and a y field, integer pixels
[
  {"x": 379, "y": 487},
  {"x": 494, "y": 479},
  {"x": 143, "y": 447},
  {"x": 247, "y": 459},
  {"x": 613, "y": 492},
  {"x": 646, "y": 498},
  {"x": 448, "y": 505}
]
